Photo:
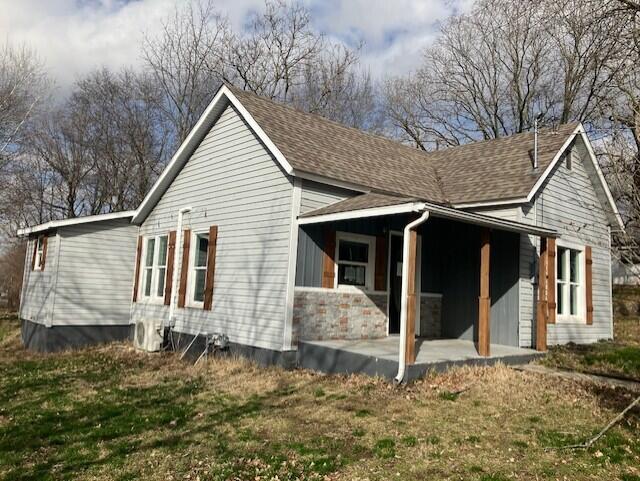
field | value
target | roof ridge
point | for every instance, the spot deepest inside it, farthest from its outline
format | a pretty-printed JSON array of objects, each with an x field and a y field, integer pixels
[{"x": 420, "y": 151}]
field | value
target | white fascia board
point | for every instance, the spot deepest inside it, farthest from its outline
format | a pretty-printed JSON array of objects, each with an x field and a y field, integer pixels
[
  {"x": 361, "y": 213},
  {"x": 552, "y": 165},
  {"x": 54, "y": 224},
  {"x": 603, "y": 182},
  {"x": 488, "y": 221},
  {"x": 436, "y": 211},
  {"x": 492, "y": 203},
  {"x": 177, "y": 161},
  {"x": 579, "y": 131}
]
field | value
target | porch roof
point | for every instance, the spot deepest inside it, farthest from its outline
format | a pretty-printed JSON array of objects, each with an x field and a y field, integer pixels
[{"x": 375, "y": 205}]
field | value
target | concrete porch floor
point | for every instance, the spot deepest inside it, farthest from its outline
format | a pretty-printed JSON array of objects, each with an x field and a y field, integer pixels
[{"x": 379, "y": 357}]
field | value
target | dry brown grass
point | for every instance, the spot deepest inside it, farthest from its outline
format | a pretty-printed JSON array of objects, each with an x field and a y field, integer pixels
[{"x": 115, "y": 413}]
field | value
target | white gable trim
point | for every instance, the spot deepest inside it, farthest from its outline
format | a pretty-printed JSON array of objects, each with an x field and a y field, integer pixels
[
  {"x": 54, "y": 224},
  {"x": 192, "y": 141},
  {"x": 603, "y": 183},
  {"x": 579, "y": 131},
  {"x": 491, "y": 203}
]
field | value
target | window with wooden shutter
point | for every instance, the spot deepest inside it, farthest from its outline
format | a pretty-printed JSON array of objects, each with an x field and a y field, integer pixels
[
  {"x": 588, "y": 274},
  {"x": 184, "y": 269},
  {"x": 136, "y": 280},
  {"x": 551, "y": 278},
  {"x": 211, "y": 268},
  {"x": 170, "y": 261},
  {"x": 328, "y": 264}
]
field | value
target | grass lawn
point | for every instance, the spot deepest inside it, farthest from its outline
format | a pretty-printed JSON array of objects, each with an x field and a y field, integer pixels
[
  {"x": 118, "y": 414},
  {"x": 620, "y": 357}
]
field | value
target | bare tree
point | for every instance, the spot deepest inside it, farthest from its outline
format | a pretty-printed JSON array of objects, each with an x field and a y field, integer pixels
[
  {"x": 279, "y": 55},
  {"x": 129, "y": 135},
  {"x": 493, "y": 70},
  {"x": 187, "y": 62},
  {"x": 23, "y": 85}
]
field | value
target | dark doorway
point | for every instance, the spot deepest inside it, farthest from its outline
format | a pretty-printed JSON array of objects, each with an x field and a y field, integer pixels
[{"x": 395, "y": 283}]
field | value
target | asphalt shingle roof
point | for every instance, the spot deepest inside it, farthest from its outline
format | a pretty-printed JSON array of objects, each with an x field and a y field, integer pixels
[{"x": 489, "y": 170}]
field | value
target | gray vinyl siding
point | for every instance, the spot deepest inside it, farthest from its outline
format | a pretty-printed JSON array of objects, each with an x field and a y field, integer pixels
[
  {"x": 314, "y": 195},
  {"x": 95, "y": 274},
  {"x": 232, "y": 181},
  {"x": 570, "y": 203},
  {"x": 38, "y": 286},
  {"x": 506, "y": 213}
]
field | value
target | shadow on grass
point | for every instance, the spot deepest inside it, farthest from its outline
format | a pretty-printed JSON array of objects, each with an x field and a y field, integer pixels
[{"x": 60, "y": 417}]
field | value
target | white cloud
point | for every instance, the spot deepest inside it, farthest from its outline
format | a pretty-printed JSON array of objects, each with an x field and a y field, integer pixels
[{"x": 74, "y": 36}]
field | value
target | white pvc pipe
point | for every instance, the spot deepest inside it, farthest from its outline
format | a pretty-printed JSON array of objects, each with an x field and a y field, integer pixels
[
  {"x": 174, "y": 279},
  {"x": 402, "y": 362}
]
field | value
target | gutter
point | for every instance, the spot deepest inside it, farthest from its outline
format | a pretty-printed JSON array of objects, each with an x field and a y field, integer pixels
[{"x": 402, "y": 361}]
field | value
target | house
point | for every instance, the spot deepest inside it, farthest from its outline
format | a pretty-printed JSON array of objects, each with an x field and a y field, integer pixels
[
  {"x": 307, "y": 242},
  {"x": 77, "y": 281}
]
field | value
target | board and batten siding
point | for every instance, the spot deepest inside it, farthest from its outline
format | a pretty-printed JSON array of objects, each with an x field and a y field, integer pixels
[
  {"x": 232, "y": 181},
  {"x": 314, "y": 195},
  {"x": 568, "y": 202},
  {"x": 95, "y": 273},
  {"x": 38, "y": 286}
]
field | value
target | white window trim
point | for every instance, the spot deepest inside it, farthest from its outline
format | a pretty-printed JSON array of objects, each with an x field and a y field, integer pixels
[
  {"x": 191, "y": 274},
  {"x": 39, "y": 253},
  {"x": 153, "y": 297},
  {"x": 581, "y": 317},
  {"x": 370, "y": 264}
]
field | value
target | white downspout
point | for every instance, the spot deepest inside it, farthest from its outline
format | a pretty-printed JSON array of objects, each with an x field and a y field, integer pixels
[
  {"x": 402, "y": 365},
  {"x": 174, "y": 279}
]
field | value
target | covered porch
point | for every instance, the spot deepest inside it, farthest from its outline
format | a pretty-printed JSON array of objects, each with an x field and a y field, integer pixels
[
  {"x": 359, "y": 306},
  {"x": 379, "y": 357}
]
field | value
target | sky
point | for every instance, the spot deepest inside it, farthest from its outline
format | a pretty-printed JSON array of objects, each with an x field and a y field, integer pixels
[{"x": 75, "y": 36}]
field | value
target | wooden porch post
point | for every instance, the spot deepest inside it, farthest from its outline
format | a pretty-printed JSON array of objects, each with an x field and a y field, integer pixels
[
  {"x": 542, "y": 307},
  {"x": 484, "y": 308},
  {"x": 410, "y": 348}
]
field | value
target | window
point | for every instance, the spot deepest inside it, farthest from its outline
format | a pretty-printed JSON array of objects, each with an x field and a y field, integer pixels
[
  {"x": 354, "y": 260},
  {"x": 155, "y": 267},
  {"x": 148, "y": 266},
  {"x": 39, "y": 253},
  {"x": 570, "y": 277},
  {"x": 199, "y": 267}
]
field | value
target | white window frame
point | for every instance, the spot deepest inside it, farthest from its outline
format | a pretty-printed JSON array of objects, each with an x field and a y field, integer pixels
[
  {"x": 37, "y": 266},
  {"x": 153, "y": 296},
  {"x": 191, "y": 277},
  {"x": 581, "y": 316},
  {"x": 370, "y": 264}
]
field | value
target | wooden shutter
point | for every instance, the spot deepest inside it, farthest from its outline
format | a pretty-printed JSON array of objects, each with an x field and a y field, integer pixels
[
  {"x": 551, "y": 280},
  {"x": 184, "y": 269},
  {"x": 588, "y": 278},
  {"x": 542, "y": 308},
  {"x": 329, "y": 264},
  {"x": 211, "y": 268},
  {"x": 136, "y": 280},
  {"x": 381, "y": 263},
  {"x": 171, "y": 252},
  {"x": 35, "y": 253},
  {"x": 43, "y": 259}
]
